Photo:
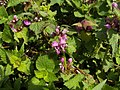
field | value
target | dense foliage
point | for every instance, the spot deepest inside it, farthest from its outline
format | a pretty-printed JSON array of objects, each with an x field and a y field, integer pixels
[{"x": 59, "y": 45}]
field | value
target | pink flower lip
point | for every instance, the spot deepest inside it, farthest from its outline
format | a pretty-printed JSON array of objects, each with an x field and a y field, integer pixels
[
  {"x": 26, "y": 22},
  {"x": 107, "y": 26},
  {"x": 54, "y": 44}
]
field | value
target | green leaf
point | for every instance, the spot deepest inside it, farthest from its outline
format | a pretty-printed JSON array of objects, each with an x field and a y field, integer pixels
[
  {"x": 77, "y": 3},
  {"x": 43, "y": 13},
  {"x": 45, "y": 63},
  {"x": 7, "y": 34},
  {"x": 15, "y": 2},
  {"x": 40, "y": 74},
  {"x": 26, "y": 65},
  {"x": 118, "y": 59},
  {"x": 113, "y": 40},
  {"x": 50, "y": 28},
  {"x": 56, "y": 1},
  {"x": 22, "y": 34},
  {"x": 17, "y": 84},
  {"x": 73, "y": 83},
  {"x": 107, "y": 87},
  {"x": 71, "y": 45},
  {"x": 3, "y": 55},
  {"x": 3, "y": 12},
  {"x": 69, "y": 2},
  {"x": 50, "y": 77},
  {"x": 14, "y": 59},
  {"x": 78, "y": 14},
  {"x": 8, "y": 70},
  {"x": 1, "y": 73},
  {"x": 117, "y": 12},
  {"x": 37, "y": 27},
  {"x": 100, "y": 85},
  {"x": 3, "y": 20},
  {"x": 36, "y": 84},
  {"x": 66, "y": 77}
]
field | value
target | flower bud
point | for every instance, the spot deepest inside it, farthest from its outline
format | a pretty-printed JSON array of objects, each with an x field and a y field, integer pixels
[
  {"x": 108, "y": 26},
  {"x": 114, "y": 5},
  {"x": 62, "y": 59},
  {"x": 70, "y": 60}
]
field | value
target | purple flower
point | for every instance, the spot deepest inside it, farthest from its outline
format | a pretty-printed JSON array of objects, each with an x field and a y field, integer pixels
[
  {"x": 57, "y": 30},
  {"x": 62, "y": 59},
  {"x": 64, "y": 31},
  {"x": 108, "y": 26},
  {"x": 64, "y": 36},
  {"x": 114, "y": 5},
  {"x": 54, "y": 44},
  {"x": 79, "y": 28},
  {"x": 70, "y": 60},
  {"x": 26, "y": 22},
  {"x": 62, "y": 41},
  {"x": 89, "y": 28},
  {"x": 62, "y": 67},
  {"x": 57, "y": 49}
]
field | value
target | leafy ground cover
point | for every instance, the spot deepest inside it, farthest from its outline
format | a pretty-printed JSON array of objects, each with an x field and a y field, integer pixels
[{"x": 59, "y": 45}]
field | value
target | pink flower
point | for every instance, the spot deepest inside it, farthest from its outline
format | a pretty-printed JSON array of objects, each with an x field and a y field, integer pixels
[
  {"x": 57, "y": 30},
  {"x": 57, "y": 49},
  {"x": 62, "y": 41},
  {"x": 26, "y": 22},
  {"x": 70, "y": 60},
  {"x": 15, "y": 18},
  {"x": 64, "y": 31},
  {"x": 54, "y": 44},
  {"x": 114, "y": 5},
  {"x": 108, "y": 26},
  {"x": 62, "y": 67},
  {"x": 62, "y": 59},
  {"x": 64, "y": 36}
]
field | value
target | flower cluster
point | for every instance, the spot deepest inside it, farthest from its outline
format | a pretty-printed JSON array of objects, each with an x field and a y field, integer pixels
[
  {"x": 3, "y": 2},
  {"x": 112, "y": 23},
  {"x": 62, "y": 64},
  {"x": 14, "y": 22},
  {"x": 61, "y": 44}
]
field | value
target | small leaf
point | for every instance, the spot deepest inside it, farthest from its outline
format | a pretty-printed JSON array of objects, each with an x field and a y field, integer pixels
[
  {"x": 8, "y": 70},
  {"x": 78, "y": 14},
  {"x": 100, "y": 85}
]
